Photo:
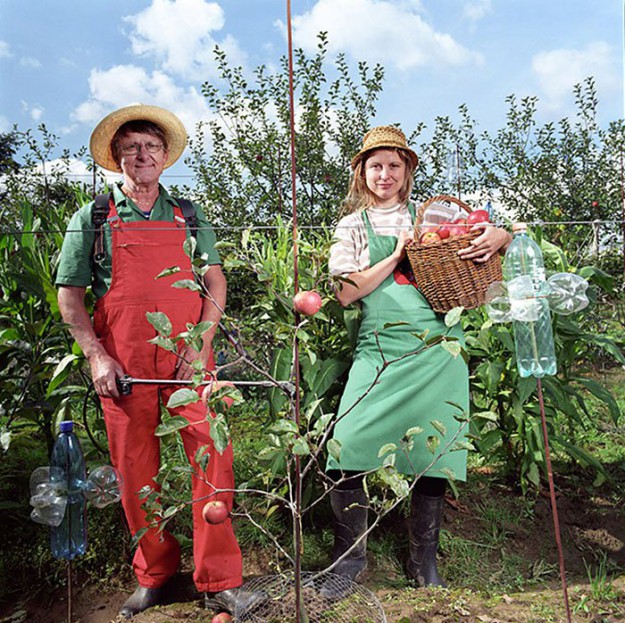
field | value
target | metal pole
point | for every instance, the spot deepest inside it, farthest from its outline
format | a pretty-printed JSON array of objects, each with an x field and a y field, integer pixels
[
  {"x": 300, "y": 614},
  {"x": 554, "y": 505}
]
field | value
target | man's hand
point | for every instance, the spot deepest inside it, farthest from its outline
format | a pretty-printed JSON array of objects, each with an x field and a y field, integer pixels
[
  {"x": 104, "y": 372},
  {"x": 186, "y": 356},
  {"x": 104, "y": 369}
]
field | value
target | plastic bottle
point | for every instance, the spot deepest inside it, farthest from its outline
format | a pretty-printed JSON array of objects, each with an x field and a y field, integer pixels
[
  {"x": 67, "y": 463},
  {"x": 524, "y": 273}
]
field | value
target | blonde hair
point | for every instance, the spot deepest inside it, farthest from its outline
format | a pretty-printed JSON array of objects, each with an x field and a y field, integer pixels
[{"x": 359, "y": 197}]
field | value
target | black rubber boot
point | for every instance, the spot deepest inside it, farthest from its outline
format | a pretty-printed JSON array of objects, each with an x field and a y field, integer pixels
[
  {"x": 350, "y": 523},
  {"x": 424, "y": 530},
  {"x": 142, "y": 599},
  {"x": 234, "y": 600}
]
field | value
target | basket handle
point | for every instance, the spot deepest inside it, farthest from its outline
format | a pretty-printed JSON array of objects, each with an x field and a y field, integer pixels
[{"x": 438, "y": 198}]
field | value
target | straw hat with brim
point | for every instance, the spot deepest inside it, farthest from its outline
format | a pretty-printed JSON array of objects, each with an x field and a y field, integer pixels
[
  {"x": 174, "y": 130},
  {"x": 382, "y": 137}
]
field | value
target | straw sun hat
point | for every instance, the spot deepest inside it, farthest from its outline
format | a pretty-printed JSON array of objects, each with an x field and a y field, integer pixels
[
  {"x": 174, "y": 130},
  {"x": 384, "y": 136}
]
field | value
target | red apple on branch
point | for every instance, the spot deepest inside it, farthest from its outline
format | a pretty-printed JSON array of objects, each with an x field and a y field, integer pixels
[
  {"x": 307, "y": 302},
  {"x": 215, "y": 512}
]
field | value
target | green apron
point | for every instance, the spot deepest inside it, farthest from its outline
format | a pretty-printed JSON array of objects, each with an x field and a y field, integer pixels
[{"x": 411, "y": 392}]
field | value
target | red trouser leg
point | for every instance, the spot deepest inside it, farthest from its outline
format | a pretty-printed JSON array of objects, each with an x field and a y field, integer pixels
[
  {"x": 216, "y": 553},
  {"x": 135, "y": 452}
]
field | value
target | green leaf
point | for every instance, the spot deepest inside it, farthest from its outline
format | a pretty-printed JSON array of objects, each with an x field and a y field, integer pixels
[
  {"x": 439, "y": 426},
  {"x": 171, "y": 425},
  {"x": 453, "y": 316},
  {"x": 334, "y": 448},
  {"x": 168, "y": 271},
  {"x": 182, "y": 397},
  {"x": 300, "y": 447},
  {"x": 415, "y": 430},
  {"x": 164, "y": 342},
  {"x": 432, "y": 443},
  {"x": 160, "y": 322},
  {"x": 187, "y": 284},
  {"x": 603, "y": 394},
  {"x": 220, "y": 433},
  {"x": 386, "y": 448},
  {"x": 189, "y": 246},
  {"x": 453, "y": 348},
  {"x": 60, "y": 373}
]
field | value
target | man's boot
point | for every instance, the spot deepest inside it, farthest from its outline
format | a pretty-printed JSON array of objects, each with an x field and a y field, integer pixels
[
  {"x": 142, "y": 599},
  {"x": 350, "y": 523},
  {"x": 234, "y": 600},
  {"x": 424, "y": 529}
]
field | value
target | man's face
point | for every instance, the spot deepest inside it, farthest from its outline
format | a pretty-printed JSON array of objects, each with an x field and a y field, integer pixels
[{"x": 146, "y": 166}]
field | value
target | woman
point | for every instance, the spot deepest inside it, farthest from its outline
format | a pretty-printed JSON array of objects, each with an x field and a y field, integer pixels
[{"x": 415, "y": 389}]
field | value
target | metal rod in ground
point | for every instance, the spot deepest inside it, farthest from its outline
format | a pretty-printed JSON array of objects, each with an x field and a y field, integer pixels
[
  {"x": 69, "y": 590},
  {"x": 554, "y": 505}
]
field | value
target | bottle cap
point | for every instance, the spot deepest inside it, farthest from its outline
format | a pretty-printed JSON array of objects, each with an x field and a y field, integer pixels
[
  {"x": 66, "y": 426},
  {"x": 519, "y": 228}
]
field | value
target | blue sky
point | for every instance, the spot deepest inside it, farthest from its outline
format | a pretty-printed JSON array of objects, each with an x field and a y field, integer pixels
[{"x": 66, "y": 63}]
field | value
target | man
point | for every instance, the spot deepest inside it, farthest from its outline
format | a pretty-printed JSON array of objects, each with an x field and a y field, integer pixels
[{"x": 143, "y": 235}]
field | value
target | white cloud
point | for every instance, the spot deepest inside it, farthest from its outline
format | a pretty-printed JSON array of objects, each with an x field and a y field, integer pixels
[
  {"x": 379, "y": 31},
  {"x": 29, "y": 61},
  {"x": 5, "y": 50},
  {"x": 475, "y": 10},
  {"x": 178, "y": 34},
  {"x": 123, "y": 85},
  {"x": 36, "y": 113},
  {"x": 558, "y": 71}
]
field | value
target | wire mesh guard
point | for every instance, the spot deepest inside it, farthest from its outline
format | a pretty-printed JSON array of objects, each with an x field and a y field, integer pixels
[{"x": 324, "y": 598}]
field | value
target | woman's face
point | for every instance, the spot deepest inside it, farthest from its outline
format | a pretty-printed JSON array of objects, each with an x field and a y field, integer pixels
[{"x": 385, "y": 174}]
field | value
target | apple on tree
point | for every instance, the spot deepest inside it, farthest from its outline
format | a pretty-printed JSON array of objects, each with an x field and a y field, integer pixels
[
  {"x": 215, "y": 512},
  {"x": 307, "y": 302}
]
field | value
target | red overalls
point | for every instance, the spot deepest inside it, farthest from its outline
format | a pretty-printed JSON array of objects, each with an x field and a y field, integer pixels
[{"x": 141, "y": 250}]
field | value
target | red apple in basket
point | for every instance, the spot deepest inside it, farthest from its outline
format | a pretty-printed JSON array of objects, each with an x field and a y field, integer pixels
[
  {"x": 478, "y": 216},
  {"x": 307, "y": 302},
  {"x": 215, "y": 512},
  {"x": 429, "y": 237},
  {"x": 458, "y": 227},
  {"x": 444, "y": 231}
]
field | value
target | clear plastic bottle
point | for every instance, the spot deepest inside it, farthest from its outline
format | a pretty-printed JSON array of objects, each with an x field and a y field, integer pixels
[
  {"x": 67, "y": 463},
  {"x": 524, "y": 273}
]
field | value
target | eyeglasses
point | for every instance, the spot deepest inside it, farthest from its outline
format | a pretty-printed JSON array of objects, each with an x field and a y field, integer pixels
[{"x": 135, "y": 148}]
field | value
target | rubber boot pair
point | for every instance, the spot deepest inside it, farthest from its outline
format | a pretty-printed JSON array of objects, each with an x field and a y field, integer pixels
[
  {"x": 424, "y": 529},
  {"x": 349, "y": 507}
]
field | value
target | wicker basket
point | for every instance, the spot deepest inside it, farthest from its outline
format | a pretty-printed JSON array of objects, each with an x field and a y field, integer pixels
[{"x": 444, "y": 279}]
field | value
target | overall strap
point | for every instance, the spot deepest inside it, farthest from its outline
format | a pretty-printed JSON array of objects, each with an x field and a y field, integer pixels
[
  {"x": 98, "y": 218},
  {"x": 190, "y": 217}
]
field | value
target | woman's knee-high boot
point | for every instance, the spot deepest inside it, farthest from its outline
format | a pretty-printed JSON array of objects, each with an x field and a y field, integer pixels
[
  {"x": 350, "y": 523},
  {"x": 424, "y": 530}
]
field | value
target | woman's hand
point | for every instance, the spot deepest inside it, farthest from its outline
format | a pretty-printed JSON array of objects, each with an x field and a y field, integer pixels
[
  {"x": 492, "y": 240},
  {"x": 400, "y": 248}
]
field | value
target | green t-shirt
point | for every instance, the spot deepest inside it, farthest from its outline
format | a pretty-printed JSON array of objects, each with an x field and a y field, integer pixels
[{"x": 76, "y": 265}]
